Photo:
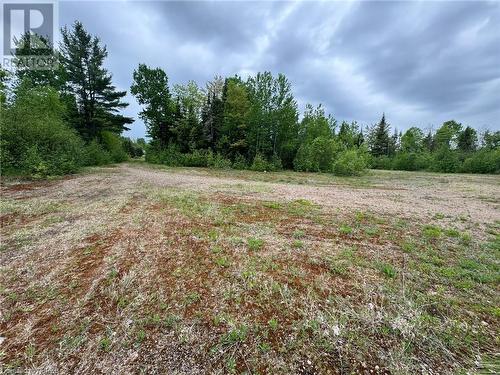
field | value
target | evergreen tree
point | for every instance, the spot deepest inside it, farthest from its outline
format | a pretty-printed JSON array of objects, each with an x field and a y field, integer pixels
[
  {"x": 52, "y": 75},
  {"x": 429, "y": 141},
  {"x": 467, "y": 140},
  {"x": 381, "y": 139},
  {"x": 97, "y": 100}
]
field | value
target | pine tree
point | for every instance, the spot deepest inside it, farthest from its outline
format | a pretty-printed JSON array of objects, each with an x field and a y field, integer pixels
[
  {"x": 98, "y": 101},
  {"x": 381, "y": 139},
  {"x": 467, "y": 140},
  {"x": 429, "y": 141},
  {"x": 52, "y": 75}
]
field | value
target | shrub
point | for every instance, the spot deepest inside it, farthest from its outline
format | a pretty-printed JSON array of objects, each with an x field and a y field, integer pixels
[
  {"x": 170, "y": 156},
  {"x": 219, "y": 162},
  {"x": 483, "y": 161},
  {"x": 197, "y": 158},
  {"x": 259, "y": 163},
  {"x": 445, "y": 160},
  {"x": 240, "y": 162},
  {"x": 411, "y": 161},
  {"x": 114, "y": 145},
  {"x": 381, "y": 162},
  {"x": 349, "y": 163},
  {"x": 275, "y": 163},
  {"x": 35, "y": 138},
  {"x": 95, "y": 154},
  {"x": 316, "y": 156}
]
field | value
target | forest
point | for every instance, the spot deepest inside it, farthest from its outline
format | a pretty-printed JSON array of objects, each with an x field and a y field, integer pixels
[{"x": 58, "y": 120}]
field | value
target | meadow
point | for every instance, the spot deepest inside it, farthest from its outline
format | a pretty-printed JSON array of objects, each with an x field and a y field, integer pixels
[{"x": 139, "y": 268}]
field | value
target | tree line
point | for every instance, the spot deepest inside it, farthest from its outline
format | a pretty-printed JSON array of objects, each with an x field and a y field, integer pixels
[
  {"x": 255, "y": 124},
  {"x": 56, "y": 120}
]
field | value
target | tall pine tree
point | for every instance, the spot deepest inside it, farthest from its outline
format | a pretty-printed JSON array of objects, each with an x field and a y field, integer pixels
[
  {"x": 97, "y": 100},
  {"x": 381, "y": 141}
]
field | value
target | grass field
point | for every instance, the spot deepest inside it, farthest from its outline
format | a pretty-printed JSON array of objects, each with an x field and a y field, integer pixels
[{"x": 147, "y": 269}]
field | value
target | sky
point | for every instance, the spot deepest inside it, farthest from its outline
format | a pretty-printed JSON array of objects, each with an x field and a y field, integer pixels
[{"x": 421, "y": 63}]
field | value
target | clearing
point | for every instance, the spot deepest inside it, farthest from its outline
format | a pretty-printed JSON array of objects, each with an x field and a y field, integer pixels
[{"x": 147, "y": 269}]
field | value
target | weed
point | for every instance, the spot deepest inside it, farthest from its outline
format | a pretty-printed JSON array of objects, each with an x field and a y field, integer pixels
[
  {"x": 105, "y": 344},
  {"x": 30, "y": 351},
  {"x": 372, "y": 231},
  {"x": 298, "y": 234},
  {"x": 273, "y": 324},
  {"x": 236, "y": 335},
  {"x": 431, "y": 232},
  {"x": 140, "y": 336},
  {"x": 408, "y": 247},
  {"x": 191, "y": 298},
  {"x": 345, "y": 229},
  {"x": 297, "y": 244},
  {"x": 273, "y": 205},
  {"x": 388, "y": 270},
  {"x": 452, "y": 233},
  {"x": 264, "y": 347},
  {"x": 222, "y": 261},
  {"x": 255, "y": 244}
]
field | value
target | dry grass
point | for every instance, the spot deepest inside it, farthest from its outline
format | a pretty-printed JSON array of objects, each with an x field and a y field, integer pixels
[{"x": 135, "y": 269}]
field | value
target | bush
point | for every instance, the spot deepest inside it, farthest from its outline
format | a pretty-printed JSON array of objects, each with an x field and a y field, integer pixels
[
  {"x": 381, "y": 162},
  {"x": 95, "y": 154},
  {"x": 274, "y": 164},
  {"x": 114, "y": 145},
  {"x": 219, "y": 162},
  {"x": 35, "y": 139},
  {"x": 259, "y": 163},
  {"x": 198, "y": 158},
  {"x": 240, "y": 162},
  {"x": 350, "y": 163},
  {"x": 483, "y": 161},
  {"x": 411, "y": 161},
  {"x": 445, "y": 160},
  {"x": 317, "y": 156}
]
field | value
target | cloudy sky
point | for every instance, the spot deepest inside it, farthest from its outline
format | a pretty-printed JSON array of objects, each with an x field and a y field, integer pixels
[{"x": 419, "y": 62}]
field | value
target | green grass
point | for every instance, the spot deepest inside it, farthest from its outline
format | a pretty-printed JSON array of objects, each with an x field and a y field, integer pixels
[{"x": 255, "y": 244}]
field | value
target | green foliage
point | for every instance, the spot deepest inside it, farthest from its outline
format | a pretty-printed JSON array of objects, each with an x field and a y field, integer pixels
[
  {"x": 411, "y": 161},
  {"x": 259, "y": 163},
  {"x": 113, "y": 145},
  {"x": 445, "y": 160},
  {"x": 381, "y": 142},
  {"x": 95, "y": 154},
  {"x": 150, "y": 87},
  {"x": 350, "y": 163},
  {"x": 412, "y": 141},
  {"x": 218, "y": 161},
  {"x": 35, "y": 139},
  {"x": 98, "y": 101},
  {"x": 240, "y": 162},
  {"x": 255, "y": 244},
  {"x": 317, "y": 155},
  {"x": 483, "y": 161}
]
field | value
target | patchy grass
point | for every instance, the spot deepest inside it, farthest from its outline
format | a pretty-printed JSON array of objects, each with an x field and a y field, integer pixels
[{"x": 130, "y": 273}]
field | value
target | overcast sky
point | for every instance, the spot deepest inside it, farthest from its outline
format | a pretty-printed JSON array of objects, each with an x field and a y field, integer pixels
[{"x": 421, "y": 63}]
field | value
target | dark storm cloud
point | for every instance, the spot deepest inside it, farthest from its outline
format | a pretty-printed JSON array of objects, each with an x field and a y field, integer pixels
[{"x": 420, "y": 62}]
